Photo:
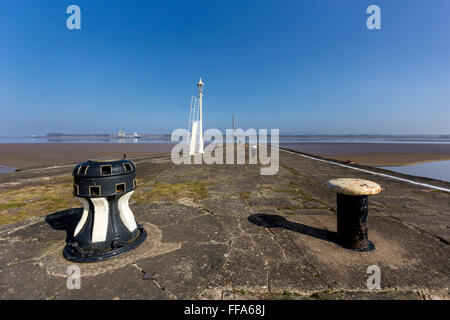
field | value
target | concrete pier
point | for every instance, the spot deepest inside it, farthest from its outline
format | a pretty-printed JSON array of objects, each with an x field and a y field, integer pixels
[{"x": 227, "y": 232}]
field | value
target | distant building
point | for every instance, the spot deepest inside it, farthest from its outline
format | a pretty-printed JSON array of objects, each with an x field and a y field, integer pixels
[{"x": 123, "y": 134}]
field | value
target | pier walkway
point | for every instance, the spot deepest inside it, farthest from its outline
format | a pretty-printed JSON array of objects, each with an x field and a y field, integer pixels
[{"x": 227, "y": 232}]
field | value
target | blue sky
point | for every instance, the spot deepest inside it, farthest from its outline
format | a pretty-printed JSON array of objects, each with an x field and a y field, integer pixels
[{"x": 300, "y": 66}]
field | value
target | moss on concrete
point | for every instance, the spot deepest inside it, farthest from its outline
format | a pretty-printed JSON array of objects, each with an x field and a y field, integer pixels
[
  {"x": 244, "y": 195},
  {"x": 30, "y": 201}
]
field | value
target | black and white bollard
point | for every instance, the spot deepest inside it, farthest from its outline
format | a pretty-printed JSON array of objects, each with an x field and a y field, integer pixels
[
  {"x": 107, "y": 227},
  {"x": 352, "y": 211}
]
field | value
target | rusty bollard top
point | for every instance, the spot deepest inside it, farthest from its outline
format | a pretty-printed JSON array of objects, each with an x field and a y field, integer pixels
[{"x": 354, "y": 187}]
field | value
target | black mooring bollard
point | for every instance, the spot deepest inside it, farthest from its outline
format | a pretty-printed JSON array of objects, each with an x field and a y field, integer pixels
[
  {"x": 352, "y": 211},
  {"x": 107, "y": 227}
]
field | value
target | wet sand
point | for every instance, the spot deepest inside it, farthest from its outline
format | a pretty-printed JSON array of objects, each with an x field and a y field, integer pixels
[
  {"x": 391, "y": 159},
  {"x": 376, "y": 154},
  {"x": 28, "y": 155}
]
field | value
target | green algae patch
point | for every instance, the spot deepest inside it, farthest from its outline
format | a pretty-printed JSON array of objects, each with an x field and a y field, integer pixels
[
  {"x": 31, "y": 201},
  {"x": 11, "y": 205},
  {"x": 244, "y": 195},
  {"x": 289, "y": 294}
]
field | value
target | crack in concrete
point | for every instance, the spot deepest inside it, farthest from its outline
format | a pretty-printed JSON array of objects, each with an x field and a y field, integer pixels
[
  {"x": 266, "y": 261},
  {"x": 230, "y": 243},
  {"x": 181, "y": 221},
  {"x": 415, "y": 228},
  {"x": 279, "y": 245},
  {"x": 147, "y": 277},
  {"x": 310, "y": 267}
]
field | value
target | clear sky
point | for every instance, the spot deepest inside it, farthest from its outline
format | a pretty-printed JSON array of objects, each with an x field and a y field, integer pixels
[{"x": 300, "y": 66}]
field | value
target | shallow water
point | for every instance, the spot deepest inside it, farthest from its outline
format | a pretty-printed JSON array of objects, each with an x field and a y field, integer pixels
[
  {"x": 4, "y": 169},
  {"x": 85, "y": 140},
  {"x": 439, "y": 170},
  {"x": 167, "y": 139}
]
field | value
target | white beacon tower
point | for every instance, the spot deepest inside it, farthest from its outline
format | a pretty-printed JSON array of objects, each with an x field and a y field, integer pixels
[{"x": 195, "y": 122}]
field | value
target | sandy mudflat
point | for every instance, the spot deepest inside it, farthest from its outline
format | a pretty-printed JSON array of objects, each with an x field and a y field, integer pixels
[
  {"x": 376, "y": 154},
  {"x": 392, "y": 159},
  {"x": 26, "y": 155}
]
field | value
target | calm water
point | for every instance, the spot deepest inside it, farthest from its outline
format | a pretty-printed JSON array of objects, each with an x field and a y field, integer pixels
[
  {"x": 166, "y": 139},
  {"x": 163, "y": 139},
  {"x": 4, "y": 169},
  {"x": 439, "y": 170}
]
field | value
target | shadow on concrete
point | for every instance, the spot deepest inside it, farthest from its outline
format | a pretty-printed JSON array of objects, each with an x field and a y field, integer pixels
[
  {"x": 65, "y": 220},
  {"x": 276, "y": 221}
]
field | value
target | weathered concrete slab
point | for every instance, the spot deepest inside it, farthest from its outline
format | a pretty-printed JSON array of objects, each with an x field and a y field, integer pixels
[{"x": 226, "y": 232}]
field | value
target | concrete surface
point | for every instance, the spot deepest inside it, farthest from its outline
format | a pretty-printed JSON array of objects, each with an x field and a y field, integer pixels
[{"x": 226, "y": 232}]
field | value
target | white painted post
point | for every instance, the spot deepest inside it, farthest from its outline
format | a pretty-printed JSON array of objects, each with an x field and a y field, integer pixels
[{"x": 200, "y": 98}]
